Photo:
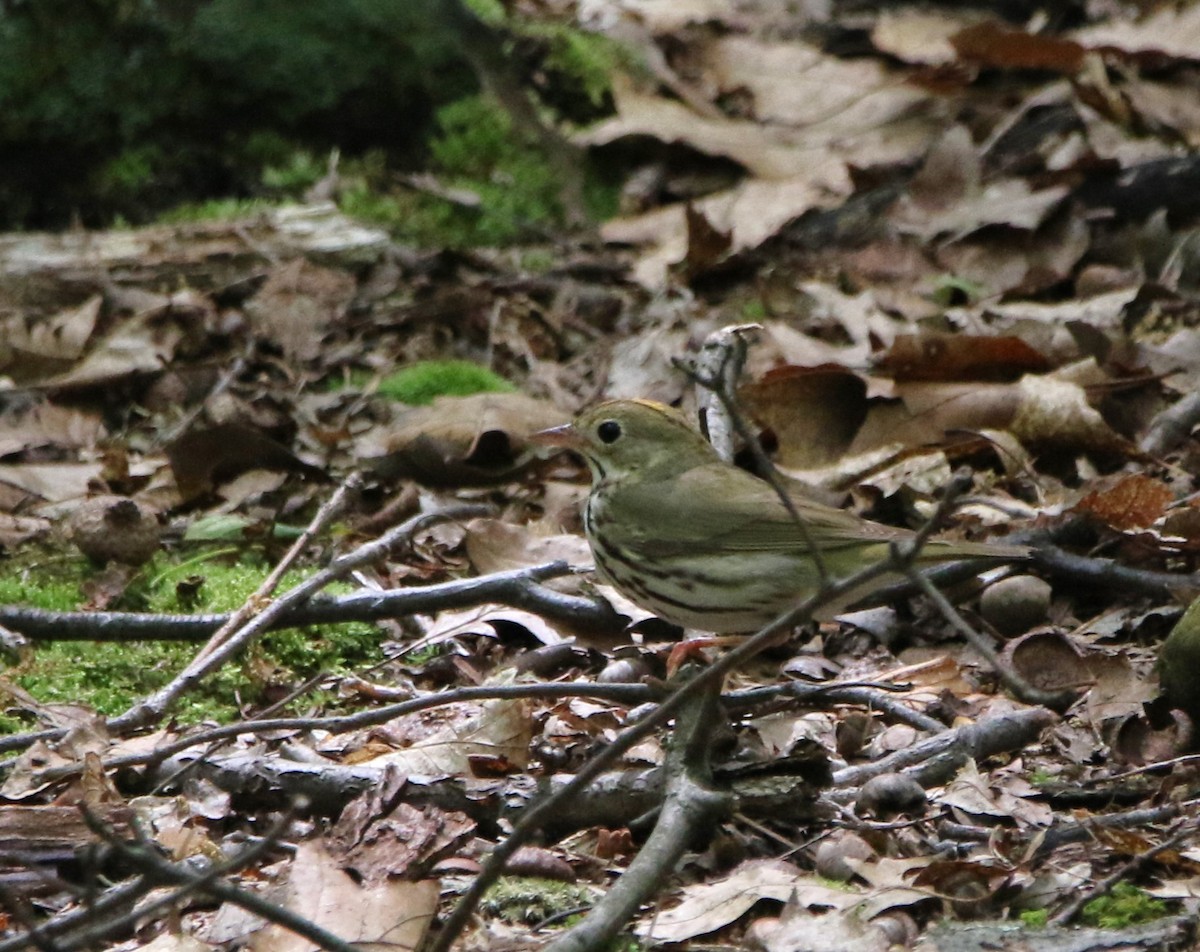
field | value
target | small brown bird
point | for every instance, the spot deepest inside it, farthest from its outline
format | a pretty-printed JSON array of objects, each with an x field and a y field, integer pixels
[{"x": 704, "y": 544}]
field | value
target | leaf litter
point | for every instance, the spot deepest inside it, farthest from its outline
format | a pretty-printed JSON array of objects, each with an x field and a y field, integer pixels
[{"x": 967, "y": 244}]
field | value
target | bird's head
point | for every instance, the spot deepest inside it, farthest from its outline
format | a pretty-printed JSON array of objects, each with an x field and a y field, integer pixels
[{"x": 620, "y": 438}]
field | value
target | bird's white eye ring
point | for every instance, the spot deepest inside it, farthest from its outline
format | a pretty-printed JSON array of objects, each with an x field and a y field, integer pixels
[{"x": 609, "y": 431}]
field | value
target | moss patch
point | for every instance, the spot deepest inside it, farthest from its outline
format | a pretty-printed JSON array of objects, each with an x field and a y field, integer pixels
[
  {"x": 110, "y": 676},
  {"x": 423, "y": 382}
]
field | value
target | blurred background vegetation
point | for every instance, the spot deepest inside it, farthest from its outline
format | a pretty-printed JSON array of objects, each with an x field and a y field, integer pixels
[{"x": 126, "y": 111}]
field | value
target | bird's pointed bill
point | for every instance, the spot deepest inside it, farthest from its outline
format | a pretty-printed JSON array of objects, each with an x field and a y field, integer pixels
[{"x": 566, "y": 436}]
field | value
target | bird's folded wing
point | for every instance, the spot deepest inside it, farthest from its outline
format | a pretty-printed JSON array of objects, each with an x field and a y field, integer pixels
[{"x": 733, "y": 510}]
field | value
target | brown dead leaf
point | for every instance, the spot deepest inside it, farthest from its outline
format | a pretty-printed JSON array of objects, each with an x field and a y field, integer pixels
[
  {"x": 1167, "y": 106},
  {"x": 142, "y": 344},
  {"x": 298, "y": 304},
  {"x": 999, "y": 46},
  {"x": 1170, "y": 29},
  {"x": 960, "y": 357},
  {"x": 46, "y": 425},
  {"x": 394, "y": 914},
  {"x": 799, "y": 930},
  {"x": 920, "y": 36},
  {"x": 950, "y": 198},
  {"x": 1117, "y": 691},
  {"x": 495, "y": 728},
  {"x": 51, "y": 482},
  {"x": 380, "y": 837},
  {"x": 15, "y": 530},
  {"x": 1042, "y": 411},
  {"x": 706, "y": 245},
  {"x": 30, "y": 349},
  {"x": 202, "y": 459},
  {"x": 1138, "y": 742},
  {"x": 460, "y": 441},
  {"x": 1049, "y": 661},
  {"x": 707, "y": 907},
  {"x": 1136, "y": 501},
  {"x": 814, "y": 412},
  {"x": 497, "y": 545}
]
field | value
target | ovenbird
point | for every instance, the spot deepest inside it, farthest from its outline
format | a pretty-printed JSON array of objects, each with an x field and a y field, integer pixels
[{"x": 704, "y": 544}]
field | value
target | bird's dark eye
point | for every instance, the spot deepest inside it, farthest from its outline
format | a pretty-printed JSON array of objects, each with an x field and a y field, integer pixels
[{"x": 609, "y": 431}]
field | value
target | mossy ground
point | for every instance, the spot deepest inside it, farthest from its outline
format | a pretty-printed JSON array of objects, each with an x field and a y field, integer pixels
[
  {"x": 423, "y": 382},
  {"x": 110, "y": 676},
  {"x": 1125, "y": 906}
]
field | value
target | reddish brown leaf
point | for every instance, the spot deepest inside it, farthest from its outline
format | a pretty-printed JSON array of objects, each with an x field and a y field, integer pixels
[
  {"x": 960, "y": 357},
  {"x": 993, "y": 44},
  {"x": 706, "y": 244},
  {"x": 1135, "y": 502}
]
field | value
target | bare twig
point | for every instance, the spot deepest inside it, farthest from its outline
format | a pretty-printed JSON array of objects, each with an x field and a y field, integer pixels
[
  {"x": 721, "y": 359},
  {"x": 717, "y": 386},
  {"x": 143, "y": 856},
  {"x": 519, "y": 588},
  {"x": 691, "y": 803},
  {"x": 1012, "y": 679},
  {"x": 540, "y": 813},
  {"x": 1172, "y": 426},
  {"x": 331, "y": 508},
  {"x": 631, "y": 694},
  {"x": 226, "y": 379}
]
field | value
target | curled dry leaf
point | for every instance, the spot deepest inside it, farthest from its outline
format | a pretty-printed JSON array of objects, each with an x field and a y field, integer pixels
[
  {"x": 299, "y": 302},
  {"x": 460, "y": 441},
  {"x": 1049, "y": 661},
  {"x": 203, "y": 459}
]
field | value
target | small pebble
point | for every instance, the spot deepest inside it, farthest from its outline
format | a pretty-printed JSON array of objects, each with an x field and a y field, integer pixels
[{"x": 1016, "y": 604}]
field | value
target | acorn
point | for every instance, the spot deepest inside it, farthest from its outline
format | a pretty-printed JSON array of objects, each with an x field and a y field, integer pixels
[{"x": 115, "y": 529}]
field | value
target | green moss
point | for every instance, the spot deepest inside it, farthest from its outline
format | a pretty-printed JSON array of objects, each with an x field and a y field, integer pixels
[
  {"x": 530, "y": 899},
  {"x": 1125, "y": 906},
  {"x": 297, "y": 172},
  {"x": 421, "y": 383},
  {"x": 477, "y": 151},
  {"x": 1036, "y": 918},
  {"x": 217, "y": 209},
  {"x": 754, "y": 311},
  {"x": 491, "y": 12},
  {"x": 131, "y": 169},
  {"x": 590, "y": 59},
  {"x": 109, "y": 677}
]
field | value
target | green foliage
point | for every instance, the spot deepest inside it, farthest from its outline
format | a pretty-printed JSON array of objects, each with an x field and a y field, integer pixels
[
  {"x": 475, "y": 149},
  {"x": 172, "y": 98},
  {"x": 299, "y": 171},
  {"x": 1125, "y": 906},
  {"x": 420, "y": 383},
  {"x": 110, "y": 676},
  {"x": 216, "y": 209},
  {"x": 1035, "y": 918},
  {"x": 587, "y": 59},
  {"x": 491, "y": 12}
]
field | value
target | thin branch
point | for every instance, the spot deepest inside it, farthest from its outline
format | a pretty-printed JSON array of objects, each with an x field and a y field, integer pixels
[
  {"x": 716, "y": 386},
  {"x": 1012, "y": 679},
  {"x": 1181, "y": 831},
  {"x": 329, "y": 510},
  {"x": 143, "y": 856}
]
